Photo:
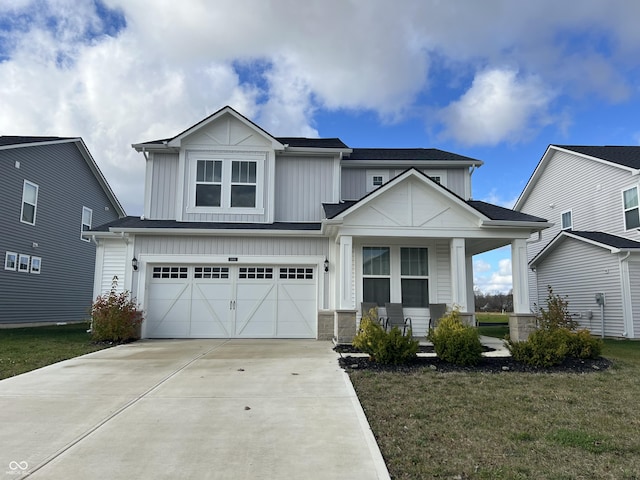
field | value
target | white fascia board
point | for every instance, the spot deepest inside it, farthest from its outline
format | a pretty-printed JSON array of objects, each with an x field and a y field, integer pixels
[
  {"x": 516, "y": 224},
  {"x": 219, "y": 232},
  {"x": 153, "y": 147},
  {"x": 314, "y": 151}
]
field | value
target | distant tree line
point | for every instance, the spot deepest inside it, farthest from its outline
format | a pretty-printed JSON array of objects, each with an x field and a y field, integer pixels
[{"x": 493, "y": 302}]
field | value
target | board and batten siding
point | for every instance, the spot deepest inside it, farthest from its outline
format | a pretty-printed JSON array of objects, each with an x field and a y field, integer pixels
[
  {"x": 63, "y": 291},
  {"x": 302, "y": 185},
  {"x": 164, "y": 175},
  {"x": 590, "y": 189},
  {"x": 111, "y": 266},
  {"x": 579, "y": 270},
  {"x": 354, "y": 180}
]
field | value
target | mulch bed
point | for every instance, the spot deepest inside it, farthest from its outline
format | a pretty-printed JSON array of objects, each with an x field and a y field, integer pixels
[{"x": 487, "y": 364}]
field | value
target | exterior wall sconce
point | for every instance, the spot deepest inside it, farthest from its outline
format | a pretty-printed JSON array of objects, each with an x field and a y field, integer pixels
[
  {"x": 326, "y": 265},
  {"x": 134, "y": 264}
]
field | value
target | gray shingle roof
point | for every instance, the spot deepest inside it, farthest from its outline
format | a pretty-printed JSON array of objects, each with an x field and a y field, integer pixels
[
  {"x": 629, "y": 156},
  {"x": 607, "y": 239},
  {"x": 312, "y": 142},
  {"x": 408, "y": 154},
  {"x": 495, "y": 212},
  {"x": 137, "y": 222}
]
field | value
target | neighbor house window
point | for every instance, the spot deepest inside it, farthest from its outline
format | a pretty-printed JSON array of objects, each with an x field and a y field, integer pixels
[
  {"x": 414, "y": 277},
  {"x": 35, "y": 264},
  {"x": 208, "y": 183},
  {"x": 631, "y": 213},
  {"x": 23, "y": 263},
  {"x": 87, "y": 217},
  {"x": 11, "y": 261},
  {"x": 243, "y": 184},
  {"x": 567, "y": 222},
  {"x": 29, "y": 203},
  {"x": 376, "y": 273}
]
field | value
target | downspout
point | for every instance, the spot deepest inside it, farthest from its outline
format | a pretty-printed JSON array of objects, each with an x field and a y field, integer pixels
[{"x": 623, "y": 259}]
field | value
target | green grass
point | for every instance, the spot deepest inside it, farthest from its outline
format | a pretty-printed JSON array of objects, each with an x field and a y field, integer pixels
[
  {"x": 492, "y": 318},
  {"x": 511, "y": 425},
  {"x": 25, "y": 349}
]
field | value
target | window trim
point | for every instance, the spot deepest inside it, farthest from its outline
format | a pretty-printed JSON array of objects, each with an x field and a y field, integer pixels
[
  {"x": 227, "y": 159},
  {"x": 415, "y": 277},
  {"x": 371, "y": 174},
  {"x": 372, "y": 276},
  {"x": 15, "y": 261},
  {"x": 562, "y": 214},
  {"x": 82, "y": 224},
  {"x": 28, "y": 258},
  {"x": 625, "y": 209},
  {"x": 35, "y": 205},
  {"x": 37, "y": 260}
]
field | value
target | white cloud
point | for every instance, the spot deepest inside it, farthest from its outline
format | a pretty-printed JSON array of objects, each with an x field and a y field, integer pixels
[
  {"x": 499, "y": 106},
  {"x": 492, "y": 272},
  {"x": 495, "y": 198}
]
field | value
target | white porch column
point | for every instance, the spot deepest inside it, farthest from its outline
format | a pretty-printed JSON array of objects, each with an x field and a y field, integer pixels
[
  {"x": 458, "y": 274},
  {"x": 520, "y": 277},
  {"x": 345, "y": 274}
]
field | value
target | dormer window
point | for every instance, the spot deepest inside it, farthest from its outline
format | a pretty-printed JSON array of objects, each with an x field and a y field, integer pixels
[{"x": 226, "y": 185}]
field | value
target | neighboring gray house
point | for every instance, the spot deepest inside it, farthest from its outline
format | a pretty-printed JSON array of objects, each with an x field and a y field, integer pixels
[
  {"x": 51, "y": 190},
  {"x": 249, "y": 235},
  {"x": 590, "y": 194}
]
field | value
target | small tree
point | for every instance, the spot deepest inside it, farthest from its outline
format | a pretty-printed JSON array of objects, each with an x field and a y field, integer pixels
[
  {"x": 557, "y": 313},
  {"x": 115, "y": 317}
]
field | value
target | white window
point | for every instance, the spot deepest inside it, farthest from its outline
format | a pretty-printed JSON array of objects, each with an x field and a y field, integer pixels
[
  {"x": 376, "y": 275},
  {"x": 226, "y": 185},
  {"x": 414, "y": 274},
  {"x": 631, "y": 212},
  {"x": 438, "y": 176},
  {"x": 29, "y": 203},
  {"x": 23, "y": 263},
  {"x": 376, "y": 178},
  {"x": 35, "y": 264},
  {"x": 566, "y": 220},
  {"x": 87, "y": 217},
  {"x": 11, "y": 261}
]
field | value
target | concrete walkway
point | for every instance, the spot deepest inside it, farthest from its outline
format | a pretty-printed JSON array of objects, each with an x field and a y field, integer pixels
[{"x": 201, "y": 409}]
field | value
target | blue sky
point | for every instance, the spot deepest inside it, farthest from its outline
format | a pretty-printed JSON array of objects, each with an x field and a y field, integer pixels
[{"x": 497, "y": 80}]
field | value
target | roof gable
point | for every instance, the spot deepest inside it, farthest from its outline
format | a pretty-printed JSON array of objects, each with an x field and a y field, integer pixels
[
  {"x": 411, "y": 199},
  {"x": 626, "y": 158},
  {"x": 612, "y": 243}
]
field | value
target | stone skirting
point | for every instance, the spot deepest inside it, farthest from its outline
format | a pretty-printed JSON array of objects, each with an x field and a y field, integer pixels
[
  {"x": 325, "y": 325},
  {"x": 468, "y": 319},
  {"x": 344, "y": 326},
  {"x": 521, "y": 325}
]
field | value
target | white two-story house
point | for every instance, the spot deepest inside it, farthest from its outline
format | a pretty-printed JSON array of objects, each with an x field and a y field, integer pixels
[
  {"x": 249, "y": 235},
  {"x": 591, "y": 255}
]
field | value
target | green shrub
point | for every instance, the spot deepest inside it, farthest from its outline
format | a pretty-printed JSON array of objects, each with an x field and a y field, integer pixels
[
  {"x": 455, "y": 342},
  {"x": 384, "y": 347},
  {"x": 556, "y": 315},
  {"x": 115, "y": 318},
  {"x": 583, "y": 345},
  {"x": 543, "y": 348}
]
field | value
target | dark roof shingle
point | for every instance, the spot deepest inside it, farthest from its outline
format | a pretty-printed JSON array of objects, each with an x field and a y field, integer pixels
[
  {"x": 629, "y": 156},
  {"x": 607, "y": 239},
  {"x": 137, "y": 222},
  {"x": 408, "y": 154},
  {"x": 6, "y": 140}
]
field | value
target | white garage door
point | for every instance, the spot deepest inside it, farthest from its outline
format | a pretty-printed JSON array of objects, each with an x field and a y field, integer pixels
[{"x": 210, "y": 301}]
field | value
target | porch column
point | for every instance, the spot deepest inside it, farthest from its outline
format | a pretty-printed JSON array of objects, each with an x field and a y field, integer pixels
[
  {"x": 459, "y": 274},
  {"x": 520, "y": 277},
  {"x": 345, "y": 274}
]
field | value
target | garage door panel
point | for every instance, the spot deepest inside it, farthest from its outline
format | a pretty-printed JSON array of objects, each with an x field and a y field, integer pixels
[
  {"x": 296, "y": 311},
  {"x": 210, "y": 307},
  {"x": 255, "y": 309},
  {"x": 169, "y": 310}
]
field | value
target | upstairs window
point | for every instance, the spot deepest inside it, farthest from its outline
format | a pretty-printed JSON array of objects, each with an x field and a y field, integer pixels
[
  {"x": 243, "y": 184},
  {"x": 209, "y": 183},
  {"x": 87, "y": 217},
  {"x": 631, "y": 213},
  {"x": 226, "y": 185},
  {"x": 376, "y": 178},
  {"x": 29, "y": 203},
  {"x": 566, "y": 220}
]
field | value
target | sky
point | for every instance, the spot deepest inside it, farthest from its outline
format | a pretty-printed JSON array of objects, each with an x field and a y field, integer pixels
[{"x": 496, "y": 80}]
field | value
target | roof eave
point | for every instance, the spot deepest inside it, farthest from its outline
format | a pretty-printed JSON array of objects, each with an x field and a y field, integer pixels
[
  {"x": 314, "y": 150},
  {"x": 215, "y": 231},
  {"x": 412, "y": 163},
  {"x": 516, "y": 224}
]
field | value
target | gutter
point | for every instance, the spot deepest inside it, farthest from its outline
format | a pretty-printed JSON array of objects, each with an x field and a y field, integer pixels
[{"x": 221, "y": 232}]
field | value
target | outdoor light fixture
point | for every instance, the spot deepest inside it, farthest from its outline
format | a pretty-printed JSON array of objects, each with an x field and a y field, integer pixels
[
  {"x": 134, "y": 264},
  {"x": 326, "y": 265}
]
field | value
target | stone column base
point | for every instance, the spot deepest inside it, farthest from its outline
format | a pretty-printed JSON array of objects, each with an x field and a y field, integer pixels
[
  {"x": 344, "y": 326},
  {"x": 521, "y": 325},
  {"x": 325, "y": 325},
  {"x": 468, "y": 319}
]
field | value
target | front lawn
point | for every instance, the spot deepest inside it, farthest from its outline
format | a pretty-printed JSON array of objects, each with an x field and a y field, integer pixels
[
  {"x": 25, "y": 349},
  {"x": 508, "y": 425}
]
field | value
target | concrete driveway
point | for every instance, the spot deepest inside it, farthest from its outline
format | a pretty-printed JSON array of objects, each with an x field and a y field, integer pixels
[{"x": 201, "y": 409}]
